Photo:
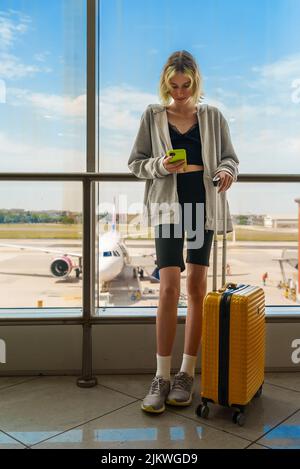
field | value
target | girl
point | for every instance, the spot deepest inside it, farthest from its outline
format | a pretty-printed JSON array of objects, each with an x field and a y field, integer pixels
[{"x": 181, "y": 123}]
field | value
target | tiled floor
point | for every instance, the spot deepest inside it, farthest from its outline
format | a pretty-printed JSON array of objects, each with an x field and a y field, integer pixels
[{"x": 53, "y": 412}]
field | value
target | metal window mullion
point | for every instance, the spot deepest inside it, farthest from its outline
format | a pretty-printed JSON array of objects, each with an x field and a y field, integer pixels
[
  {"x": 91, "y": 124},
  {"x": 89, "y": 216}
]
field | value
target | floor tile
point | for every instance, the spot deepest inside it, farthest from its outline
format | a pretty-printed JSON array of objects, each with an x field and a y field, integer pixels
[
  {"x": 34, "y": 409},
  {"x": 274, "y": 405},
  {"x": 130, "y": 427},
  {"x": 133, "y": 385},
  {"x": 286, "y": 380},
  {"x": 256, "y": 446},
  {"x": 6, "y": 381},
  {"x": 41, "y": 408},
  {"x": 285, "y": 436},
  {"x": 9, "y": 443}
]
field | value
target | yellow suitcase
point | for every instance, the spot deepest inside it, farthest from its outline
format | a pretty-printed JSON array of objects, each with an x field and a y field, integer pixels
[{"x": 233, "y": 341}]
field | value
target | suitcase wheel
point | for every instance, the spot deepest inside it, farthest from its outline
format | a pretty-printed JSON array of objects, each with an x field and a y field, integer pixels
[
  {"x": 239, "y": 418},
  {"x": 202, "y": 411}
]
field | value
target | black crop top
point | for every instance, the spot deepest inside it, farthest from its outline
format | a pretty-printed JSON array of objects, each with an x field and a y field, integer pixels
[{"x": 190, "y": 140}]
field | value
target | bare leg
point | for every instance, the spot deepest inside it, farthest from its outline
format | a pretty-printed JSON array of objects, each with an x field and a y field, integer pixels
[
  {"x": 166, "y": 319},
  {"x": 196, "y": 289}
]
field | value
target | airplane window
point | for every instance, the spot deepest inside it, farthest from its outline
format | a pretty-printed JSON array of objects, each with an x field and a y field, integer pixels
[
  {"x": 122, "y": 249},
  {"x": 107, "y": 254}
]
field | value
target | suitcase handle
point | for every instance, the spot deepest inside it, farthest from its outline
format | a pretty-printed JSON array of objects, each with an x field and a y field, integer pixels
[
  {"x": 227, "y": 285},
  {"x": 216, "y": 180}
]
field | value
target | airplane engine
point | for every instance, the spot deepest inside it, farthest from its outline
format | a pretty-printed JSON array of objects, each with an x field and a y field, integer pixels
[{"x": 61, "y": 266}]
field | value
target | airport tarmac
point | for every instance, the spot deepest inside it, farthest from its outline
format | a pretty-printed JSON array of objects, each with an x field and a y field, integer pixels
[{"x": 25, "y": 276}]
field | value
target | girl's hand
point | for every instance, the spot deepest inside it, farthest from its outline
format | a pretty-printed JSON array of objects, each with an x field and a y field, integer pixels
[
  {"x": 172, "y": 167},
  {"x": 225, "y": 181}
]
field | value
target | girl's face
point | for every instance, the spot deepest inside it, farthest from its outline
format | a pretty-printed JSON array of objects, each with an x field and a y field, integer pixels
[{"x": 180, "y": 92}]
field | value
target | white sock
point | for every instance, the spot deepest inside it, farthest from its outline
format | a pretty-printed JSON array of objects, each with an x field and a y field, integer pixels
[
  {"x": 163, "y": 366},
  {"x": 188, "y": 364}
]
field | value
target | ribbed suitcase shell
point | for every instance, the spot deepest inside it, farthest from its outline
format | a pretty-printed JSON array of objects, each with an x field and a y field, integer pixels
[
  {"x": 246, "y": 345},
  {"x": 233, "y": 337}
]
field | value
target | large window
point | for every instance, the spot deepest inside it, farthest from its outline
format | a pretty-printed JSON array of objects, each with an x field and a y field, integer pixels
[
  {"x": 249, "y": 56},
  {"x": 248, "y": 53},
  {"x": 42, "y": 129},
  {"x": 43, "y": 85}
]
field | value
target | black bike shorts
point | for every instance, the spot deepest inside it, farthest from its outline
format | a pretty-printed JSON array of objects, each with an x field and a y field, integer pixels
[{"x": 169, "y": 238}]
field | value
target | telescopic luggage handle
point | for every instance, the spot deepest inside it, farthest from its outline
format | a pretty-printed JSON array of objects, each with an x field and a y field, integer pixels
[{"x": 216, "y": 179}]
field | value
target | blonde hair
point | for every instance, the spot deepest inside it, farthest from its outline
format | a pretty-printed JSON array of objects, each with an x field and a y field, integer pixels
[{"x": 184, "y": 62}]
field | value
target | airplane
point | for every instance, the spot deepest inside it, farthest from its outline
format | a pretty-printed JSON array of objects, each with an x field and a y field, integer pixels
[
  {"x": 290, "y": 257},
  {"x": 113, "y": 256}
]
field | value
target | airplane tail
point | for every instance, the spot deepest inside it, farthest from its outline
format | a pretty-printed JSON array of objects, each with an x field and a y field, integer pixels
[{"x": 155, "y": 275}]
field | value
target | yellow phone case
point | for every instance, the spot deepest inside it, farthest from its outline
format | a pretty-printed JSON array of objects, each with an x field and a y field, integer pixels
[{"x": 178, "y": 154}]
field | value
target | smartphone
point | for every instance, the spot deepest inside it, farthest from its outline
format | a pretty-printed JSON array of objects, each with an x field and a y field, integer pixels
[{"x": 179, "y": 154}]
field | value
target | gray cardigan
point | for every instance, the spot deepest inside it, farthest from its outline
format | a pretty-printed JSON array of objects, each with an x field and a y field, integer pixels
[{"x": 160, "y": 204}]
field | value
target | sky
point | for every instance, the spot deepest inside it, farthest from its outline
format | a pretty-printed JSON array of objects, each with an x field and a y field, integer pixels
[{"x": 248, "y": 52}]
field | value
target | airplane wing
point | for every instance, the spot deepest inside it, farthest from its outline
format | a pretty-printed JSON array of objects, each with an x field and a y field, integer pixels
[
  {"x": 142, "y": 260},
  {"x": 143, "y": 268},
  {"x": 135, "y": 235},
  {"x": 284, "y": 258},
  {"x": 291, "y": 261},
  {"x": 46, "y": 250}
]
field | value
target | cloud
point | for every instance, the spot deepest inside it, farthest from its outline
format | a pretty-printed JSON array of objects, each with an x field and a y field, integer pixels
[
  {"x": 11, "y": 67},
  {"x": 40, "y": 157},
  {"x": 13, "y": 24},
  {"x": 41, "y": 56},
  {"x": 122, "y": 106},
  {"x": 50, "y": 106},
  {"x": 25, "y": 156},
  {"x": 287, "y": 68},
  {"x": 277, "y": 80},
  {"x": 58, "y": 105},
  {"x": 272, "y": 107}
]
